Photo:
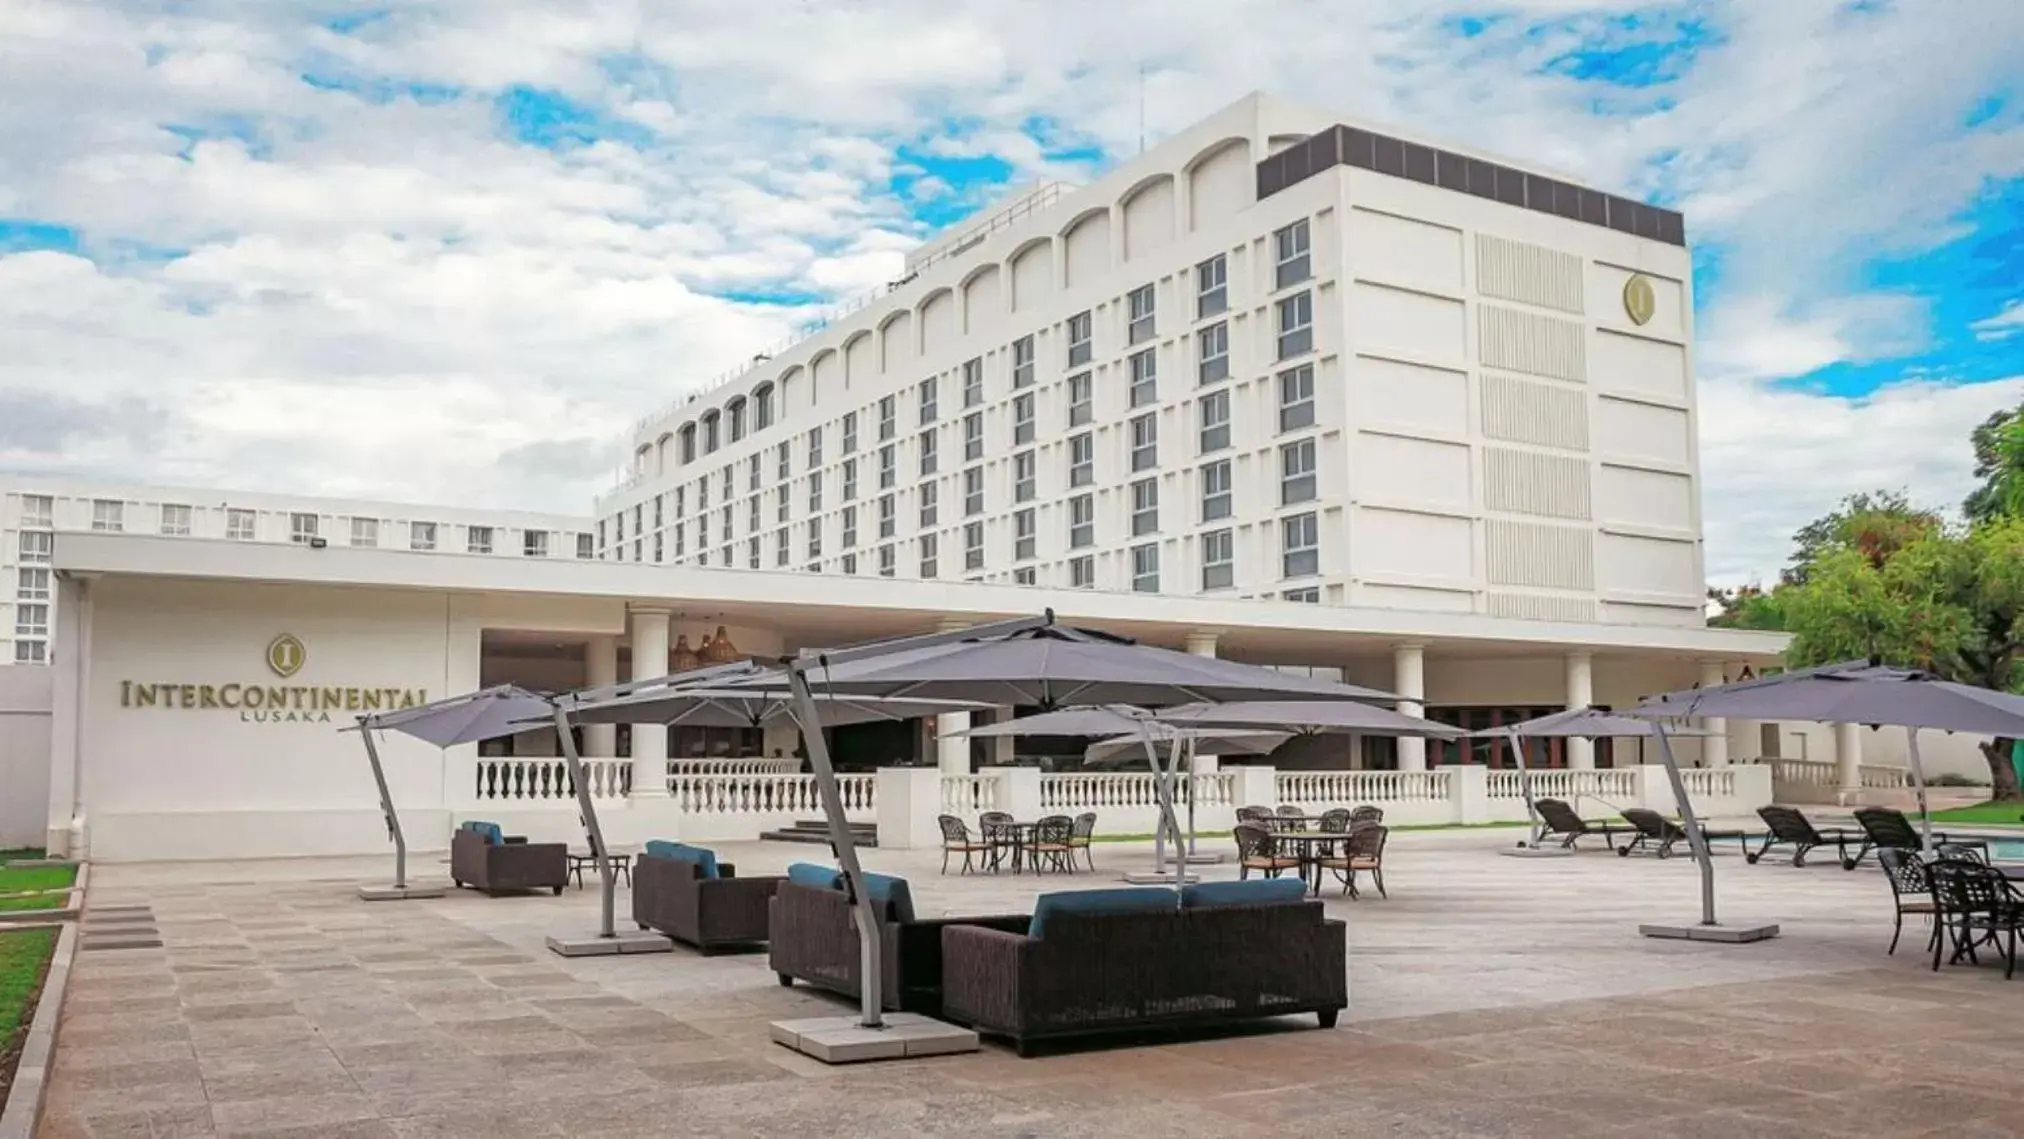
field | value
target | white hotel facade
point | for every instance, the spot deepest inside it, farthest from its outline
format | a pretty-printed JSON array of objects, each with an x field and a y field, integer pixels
[{"x": 1278, "y": 389}]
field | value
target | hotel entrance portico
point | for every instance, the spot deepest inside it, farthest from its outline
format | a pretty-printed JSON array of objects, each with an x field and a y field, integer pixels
[{"x": 203, "y": 768}]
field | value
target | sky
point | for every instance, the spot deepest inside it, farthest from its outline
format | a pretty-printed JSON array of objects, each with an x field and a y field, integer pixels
[{"x": 450, "y": 250}]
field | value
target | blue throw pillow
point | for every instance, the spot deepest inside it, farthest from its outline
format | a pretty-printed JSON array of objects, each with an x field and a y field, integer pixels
[
  {"x": 809, "y": 874},
  {"x": 1124, "y": 900},
  {"x": 490, "y": 831},
  {"x": 884, "y": 889},
  {"x": 662, "y": 848},
  {"x": 1256, "y": 892},
  {"x": 704, "y": 858}
]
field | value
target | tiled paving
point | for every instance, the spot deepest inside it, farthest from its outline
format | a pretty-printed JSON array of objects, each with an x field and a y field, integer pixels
[{"x": 1490, "y": 996}]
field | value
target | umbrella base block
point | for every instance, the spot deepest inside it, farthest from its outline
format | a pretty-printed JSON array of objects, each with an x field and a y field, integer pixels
[
  {"x": 627, "y": 941},
  {"x": 843, "y": 1040},
  {"x": 1537, "y": 852},
  {"x": 1158, "y": 878},
  {"x": 1720, "y": 933},
  {"x": 392, "y": 893},
  {"x": 1204, "y": 858}
]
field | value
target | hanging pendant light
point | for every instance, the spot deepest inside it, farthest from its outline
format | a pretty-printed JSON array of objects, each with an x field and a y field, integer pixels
[
  {"x": 719, "y": 649},
  {"x": 683, "y": 658}
]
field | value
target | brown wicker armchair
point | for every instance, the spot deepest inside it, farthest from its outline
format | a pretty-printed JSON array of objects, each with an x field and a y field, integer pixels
[
  {"x": 508, "y": 864},
  {"x": 1257, "y": 851},
  {"x": 813, "y": 939},
  {"x": 672, "y": 895}
]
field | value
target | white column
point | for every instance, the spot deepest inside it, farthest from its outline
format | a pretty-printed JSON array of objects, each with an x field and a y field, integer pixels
[
  {"x": 649, "y": 741},
  {"x": 68, "y": 658},
  {"x": 1848, "y": 759},
  {"x": 1409, "y": 679},
  {"x": 952, "y": 755},
  {"x": 1714, "y": 749},
  {"x": 600, "y": 667},
  {"x": 1580, "y": 694}
]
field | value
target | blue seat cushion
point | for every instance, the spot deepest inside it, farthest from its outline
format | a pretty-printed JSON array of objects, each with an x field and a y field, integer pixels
[
  {"x": 1124, "y": 900},
  {"x": 490, "y": 831},
  {"x": 704, "y": 858},
  {"x": 809, "y": 874},
  {"x": 1256, "y": 892},
  {"x": 886, "y": 890}
]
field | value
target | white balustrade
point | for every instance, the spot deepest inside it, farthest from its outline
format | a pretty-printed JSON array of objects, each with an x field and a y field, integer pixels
[
  {"x": 1877, "y": 777},
  {"x": 1608, "y": 785},
  {"x": 751, "y": 765},
  {"x": 760, "y": 795},
  {"x": 966, "y": 796},
  {"x": 1709, "y": 782},
  {"x": 1803, "y": 772},
  {"x": 1351, "y": 788},
  {"x": 547, "y": 780}
]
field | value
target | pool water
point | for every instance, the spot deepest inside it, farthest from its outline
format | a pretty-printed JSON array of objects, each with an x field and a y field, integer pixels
[{"x": 2007, "y": 850}]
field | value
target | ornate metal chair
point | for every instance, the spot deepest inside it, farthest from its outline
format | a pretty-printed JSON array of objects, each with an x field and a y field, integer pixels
[
  {"x": 1981, "y": 907},
  {"x": 999, "y": 836},
  {"x": 1911, "y": 888},
  {"x": 1256, "y": 850},
  {"x": 1083, "y": 837},
  {"x": 1363, "y": 851},
  {"x": 956, "y": 838},
  {"x": 1054, "y": 844}
]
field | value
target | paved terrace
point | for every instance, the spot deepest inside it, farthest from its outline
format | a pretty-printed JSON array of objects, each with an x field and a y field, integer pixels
[{"x": 1490, "y": 996}]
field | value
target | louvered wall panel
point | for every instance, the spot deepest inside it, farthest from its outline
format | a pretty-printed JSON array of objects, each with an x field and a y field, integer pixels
[
  {"x": 1519, "y": 411},
  {"x": 1527, "y": 482},
  {"x": 1534, "y": 274},
  {"x": 1533, "y": 607},
  {"x": 1531, "y": 343},
  {"x": 1528, "y": 553}
]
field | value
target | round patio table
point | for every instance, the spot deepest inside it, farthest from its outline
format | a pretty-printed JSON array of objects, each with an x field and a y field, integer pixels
[
  {"x": 1310, "y": 859},
  {"x": 1019, "y": 836}
]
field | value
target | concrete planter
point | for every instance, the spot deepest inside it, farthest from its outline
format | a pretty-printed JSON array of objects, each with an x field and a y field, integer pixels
[
  {"x": 19, "y": 1115},
  {"x": 73, "y": 904}
]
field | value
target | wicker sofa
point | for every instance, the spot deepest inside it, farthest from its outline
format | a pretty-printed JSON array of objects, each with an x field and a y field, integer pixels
[
  {"x": 697, "y": 901},
  {"x": 484, "y": 859},
  {"x": 813, "y": 939},
  {"x": 1123, "y": 960}
]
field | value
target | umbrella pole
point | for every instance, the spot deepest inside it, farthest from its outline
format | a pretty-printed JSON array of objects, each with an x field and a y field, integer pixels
[
  {"x": 1191, "y": 798},
  {"x": 593, "y": 830},
  {"x": 1164, "y": 794},
  {"x": 1919, "y": 784},
  {"x": 379, "y": 776},
  {"x": 871, "y": 968},
  {"x": 1525, "y": 787},
  {"x": 1695, "y": 839}
]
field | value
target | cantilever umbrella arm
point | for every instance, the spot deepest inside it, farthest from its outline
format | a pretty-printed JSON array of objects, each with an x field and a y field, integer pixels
[
  {"x": 379, "y": 778},
  {"x": 1690, "y": 822}
]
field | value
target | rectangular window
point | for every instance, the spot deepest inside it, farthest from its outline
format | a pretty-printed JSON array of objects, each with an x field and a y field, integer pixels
[
  {"x": 1145, "y": 568},
  {"x": 1022, "y": 419},
  {"x": 1300, "y": 546},
  {"x": 1214, "y": 412},
  {"x": 888, "y": 418},
  {"x": 850, "y": 527},
  {"x": 888, "y": 515},
  {"x": 710, "y": 425},
  {"x": 1296, "y": 398},
  {"x": 1145, "y": 507},
  {"x": 929, "y": 564},
  {"x": 301, "y": 528},
  {"x": 1025, "y": 575},
  {"x": 930, "y": 499},
  {"x": 752, "y": 466},
  {"x": 1145, "y": 385},
  {"x": 930, "y": 459},
  {"x": 660, "y": 549},
  {"x": 973, "y": 436},
  {"x": 973, "y": 492},
  {"x": 1080, "y": 409},
  {"x": 1139, "y": 315},
  {"x": 1212, "y": 287},
  {"x": 724, "y": 557},
  {"x": 1081, "y": 521},
  {"x": 1079, "y": 349},
  {"x": 31, "y": 620},
  {"x": 658, "y": 500},
  {"x": 681, "y": 500},
  {"x": 38, "y": 510},
  {"x": 421, "y": 535},
  {"x": 888, "y": 466},
  {"x": 736, "y": 413},
  {"x": 1215, "y": 490},
  {"x": 783, "y": 469},
  {"x": 702, "y": 537},
  {"x": 175, "y": 520},
  {"x": 726, "y": 532},
  {"x": 850, "y": 480},
  {"x": 762, "y": 409},
  {"x": 681, "y": 533},
  {"x": 724, "y": 485},
  {"x": 585, "y": 548},
  {"x": 886, "y": 565},
  {"x": 1296, "y": 472},
  {"x": 1296, "y": 325},
  {"x": 1023, "y": 466},
  {"x": 108, "y": 516},
  {"x": 849, "y": 564},
  {"x": 814, "y": 447},
  {"x": 1213, "y": 344},
  {"x": 781, "y": 548},
  {"x": 478, "y": 539},
  {"x": 783, "y": 508},
  {"x": 752, "y": 515},
  {"x": 31, "y": 652},
  {"x": 1292, "y": 264},
  {"x": 1081, "y": 459},
  {"x": 1023, "y": 536},
  {"x": 637, "y": 556},
  {"x": 1145, "y": 442},
  {"x": 702, "y": 500},
  {"x": 33, "y": 584},
  {"x": 534, "y": 543},
  {"x": 850, "y": 432},
  {"x": 1309, "y": 596},
  {"x": 973, "y": 383},
  {"x": 973, "y": 545},
  {"x": 1022, "y": 362},
  {"x": 930, "y": 395},
  {"x": 1082, "y": 572},
  {"x": 815, "y": 537},
  {"x": 1218, "y": 560},
  {"x": 752, "y": 553}
]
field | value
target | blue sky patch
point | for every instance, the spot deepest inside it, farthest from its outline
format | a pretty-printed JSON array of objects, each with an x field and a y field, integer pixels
[
  {"x": 23, "y": 235},
  {"x": 1633, "y": 51},
  {"x": 547, "y": 118}
]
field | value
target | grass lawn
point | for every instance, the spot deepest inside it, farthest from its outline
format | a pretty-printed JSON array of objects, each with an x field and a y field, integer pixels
[
  {"x": 23, "y": 955},
  {"x": 51, "y": 900},
  {"x": 2012, "y": 813},
  {"x": 37, "y": 878}
]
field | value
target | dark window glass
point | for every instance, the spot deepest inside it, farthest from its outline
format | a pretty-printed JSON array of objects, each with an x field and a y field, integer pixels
[
  {"x": 1391, "y": 156},
  {"x": 1510, "y": 186},
  {"x": 1647, "y": 222},
  {"x": 1482, "y": 178},
  {"x": 1271, "y": 177},
  {"x": 1538, "y": 193},
  {"x": 1359, "y": 148},
  {"x": 1672, "y": 227},
  {"x": 1324, "y": 150},
  {"x": 1451, "y": 171},
  {"x": 1567, "y": 200},
  {"x": 1295, "y": 158},
  {"x": 1419, "y": 163},
  {"x": 1620, "y": 211},
  {"x": 1592, "y": 210}
]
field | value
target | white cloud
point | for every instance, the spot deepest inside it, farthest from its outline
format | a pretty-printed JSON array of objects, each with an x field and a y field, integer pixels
[{"x": 2003, "y": 325}]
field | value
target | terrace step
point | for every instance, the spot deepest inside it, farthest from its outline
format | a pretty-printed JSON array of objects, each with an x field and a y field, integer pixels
[{"x": 816, "y": 832}]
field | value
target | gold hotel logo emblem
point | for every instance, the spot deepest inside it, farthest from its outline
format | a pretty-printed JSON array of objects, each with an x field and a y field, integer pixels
[
  {"x": 1639, "y": 301},
  {"x": 285, "y": 655}
]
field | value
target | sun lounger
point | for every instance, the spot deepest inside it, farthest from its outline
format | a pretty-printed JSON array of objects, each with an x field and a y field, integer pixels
[
  {"x": 1789, "y": 827},
  {"x": 1561, "y": 820},
  {"x": 1657, "y": 834}
]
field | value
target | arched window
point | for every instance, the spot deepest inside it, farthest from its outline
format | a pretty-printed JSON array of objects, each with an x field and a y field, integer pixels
[
  {"x": 688, "y": 437},
  {"x": 762, "y": 407},
  {"x": 736, "y": 413},
  {"x": 710, "y": 433}
]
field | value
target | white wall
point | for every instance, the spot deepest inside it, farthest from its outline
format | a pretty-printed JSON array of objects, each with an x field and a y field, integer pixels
[{"x": 25, "y": 697}]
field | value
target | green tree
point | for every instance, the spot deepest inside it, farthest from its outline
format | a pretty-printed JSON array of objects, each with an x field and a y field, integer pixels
[
  {"x": 1999, "y": 463},
  {"x": 1950, "y": 601},
  {"x": 1748, "y": 607},
  {"x": 1876, "y": 523}
]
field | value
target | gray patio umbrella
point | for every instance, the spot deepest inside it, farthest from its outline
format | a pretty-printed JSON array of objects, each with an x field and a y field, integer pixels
[
  {"x": 1574, "y": 723},
  {"x": 486, "y": 714},
  {"x": 1026, "y": 661},
  {"x": 723, "y": 707},
  {"x": 1309, "y": 717}
]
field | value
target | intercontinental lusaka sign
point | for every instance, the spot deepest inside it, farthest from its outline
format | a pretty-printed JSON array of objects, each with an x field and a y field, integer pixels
[{"x": 258, "y": 702}]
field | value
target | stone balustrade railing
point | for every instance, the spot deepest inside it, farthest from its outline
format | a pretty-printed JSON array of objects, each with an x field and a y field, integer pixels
[
  {"x": 1710, "y": 782},
  {"x": 1355, "y": 788},
  {"x": 1877, "y": 777},
  {"x": 539, "y": 780},
  {"x": 967, "y": 796},
  {"x": 755, "y": 765},
  {"x": 1802, "y": 772},
  {"x": 1603, "y": 785},
  {"x": 789, "y": 795}
]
